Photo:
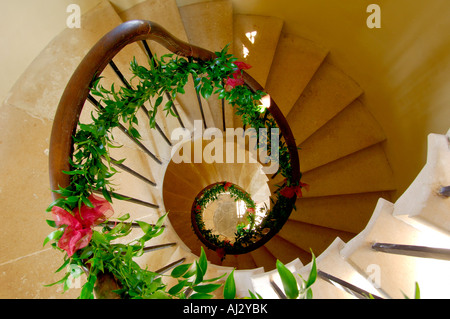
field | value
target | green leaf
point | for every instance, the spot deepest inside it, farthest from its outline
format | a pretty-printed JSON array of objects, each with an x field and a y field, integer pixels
[
  {"x": 203, "y": 262},
  {"x": 146, "y": 227},
  {"x": 180, "y": 270},
  {"x": 51, "y": 223},
  {"x": 313, "y": 273},
  {"x": 158, "y": 101},
  {"x": 199, "y": 274},
  {"x": 63, "y": 265},
  {"x": 178, "y": 287},
  {"x": 87, "y": 202},
  {"x": 57, "y": 202},
  {"x": 206, "y": 288},
  {"x": 201, "y": 296},
  {"x": 417, "y": 291},
  {"x": 229, "y": 289},
  {"x": 287, "y": 278},
  {"x": 158, "y": 294},
  {"x": 59, "y": 281},
  {"x": 215, "y": 278},
  {"x": 106, "y": 194},
  {"x": 124, "y": 217},
  {"x": 53, "y": 236},
  {"x": 160, "y": 221},
  {"x": 87, "y": 252}
]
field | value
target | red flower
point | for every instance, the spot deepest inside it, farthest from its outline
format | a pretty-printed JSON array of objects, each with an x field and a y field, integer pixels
[
  {"x": 251, "y": 210},
  {"x": 291, "y": 191},
  {"x": 236, "y": 78},
  {"x": 226, "y": 186},
  {"x": 78, "y": 232}
]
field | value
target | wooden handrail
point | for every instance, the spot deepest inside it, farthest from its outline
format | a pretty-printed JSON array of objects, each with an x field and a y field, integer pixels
[{"x": 77, "y": 91}]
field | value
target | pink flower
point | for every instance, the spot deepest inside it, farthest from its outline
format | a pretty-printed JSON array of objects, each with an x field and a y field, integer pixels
[
  {"x": 291, "y": 191},
  {"x": 242, "y": 65},
  {"x": 251, "y": 210},
  {"x": 236, "y": 78},
  {"x": 78, "y": 232}
]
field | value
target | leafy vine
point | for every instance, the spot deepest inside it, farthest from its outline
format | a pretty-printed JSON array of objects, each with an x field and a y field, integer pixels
[{"x": 95, "y": 252}]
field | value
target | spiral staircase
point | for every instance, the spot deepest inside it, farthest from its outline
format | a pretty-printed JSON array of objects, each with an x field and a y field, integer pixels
[{"x": 347, "y": 218}]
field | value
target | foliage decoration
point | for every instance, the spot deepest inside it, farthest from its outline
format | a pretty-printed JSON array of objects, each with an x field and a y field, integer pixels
[
  {"x": 95, "y": 252},
  {"x": 246, "y": 233}
]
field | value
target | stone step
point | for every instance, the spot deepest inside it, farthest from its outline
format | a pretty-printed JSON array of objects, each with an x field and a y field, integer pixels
[
  {"x": 354, "y": 125},
  {"x": 255, "y": 42},
  {"x": 311, "y": 237},
  {"x": 263, "y": 258},
  {"x": 364, "y": 171},
  {"x": 328, "y": 92},
  {"x": 286, "y": 251},
  {"x": 350, "y": 212},
  {"x": 210, "y": 26},
  {"x": 295, "y": 61}
]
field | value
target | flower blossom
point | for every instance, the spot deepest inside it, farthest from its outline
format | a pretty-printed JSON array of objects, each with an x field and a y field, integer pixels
[
  {"x": 78, "y": 231},
  {"x": 291, "y": 191},
  {"x": 236, "y": 78}
]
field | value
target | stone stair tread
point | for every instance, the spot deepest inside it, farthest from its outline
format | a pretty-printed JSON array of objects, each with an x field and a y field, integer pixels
[
  {"x": 329, "y": 91},
  {"x": 245, "y": 261},
  {"x": 349, "y": 212},
  {"x": 361, "y": 172},
  {"x": 311, "y": 237},
  {"x": 255, "y": 42},
  {"x": 295, "y": 61},
  {"x": 161, "y": 11},
  {"x": 354, "y": 125},
  {"x": 158, "y": 11},
  {"x": 286, "y": 251},
  {"x": 263, "y": 258},
  {"x": 218, "y": 17}
]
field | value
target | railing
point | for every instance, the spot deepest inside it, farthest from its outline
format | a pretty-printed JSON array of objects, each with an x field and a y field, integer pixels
[
  {"x": 77, "y": 92},
  {"x": 346, "y": 286},
  {"x": 101, "y": 55},
  {"x": 412, "y": 250}
]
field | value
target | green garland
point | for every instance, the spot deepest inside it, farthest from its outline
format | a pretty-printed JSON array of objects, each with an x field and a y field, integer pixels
[
  {"x": 244, "y": 232},
  {"x": 92, "y": 169}
]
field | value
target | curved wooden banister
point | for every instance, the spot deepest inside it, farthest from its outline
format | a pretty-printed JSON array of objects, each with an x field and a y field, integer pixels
[{"x": 77, "y": 89}]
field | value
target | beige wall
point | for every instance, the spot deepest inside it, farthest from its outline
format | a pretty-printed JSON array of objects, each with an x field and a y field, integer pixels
[
  {"x": 403, "y": 67},
  {"x": 26, "y": 27}
]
